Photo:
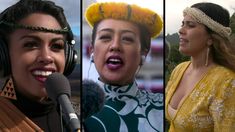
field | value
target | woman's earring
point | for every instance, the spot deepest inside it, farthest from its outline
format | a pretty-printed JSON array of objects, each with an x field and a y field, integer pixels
[
  {"x": 8, "y": 90},
  {"x": 142, "y": 59},
  {"x": 92, "y": 57},
  {"x": 207, "y": 56}
]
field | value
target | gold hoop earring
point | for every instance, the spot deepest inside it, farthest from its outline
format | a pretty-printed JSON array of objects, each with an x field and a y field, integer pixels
[
  {"x": 207, "y": 56},
  {"x": 8, "y": 90}
]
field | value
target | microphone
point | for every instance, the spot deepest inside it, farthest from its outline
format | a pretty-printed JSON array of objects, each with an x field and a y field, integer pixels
[
  {"x": 92, "y": 98},
  {"x": 58, "y": 89}
]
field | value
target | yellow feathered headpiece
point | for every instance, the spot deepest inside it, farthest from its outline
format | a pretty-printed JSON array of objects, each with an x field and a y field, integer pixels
[{"x": 143, "y": 16}]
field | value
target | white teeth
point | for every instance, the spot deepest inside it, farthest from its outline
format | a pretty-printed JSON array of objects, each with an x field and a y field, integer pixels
[
  {"x": 114, "y": 60},
  {"x": 42, "y": 73}
]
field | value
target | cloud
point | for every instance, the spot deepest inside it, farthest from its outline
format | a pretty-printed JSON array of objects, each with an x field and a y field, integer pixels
[
  {"x": 72, "y": 10},
  {"x": 174, "y": 9},
  {"x": 6, "y": 3}
]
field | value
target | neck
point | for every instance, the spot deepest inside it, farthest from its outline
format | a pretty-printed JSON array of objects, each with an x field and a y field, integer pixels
[
  {"x": 116, "y": 83},
  {"x": 199, "y": 61}
]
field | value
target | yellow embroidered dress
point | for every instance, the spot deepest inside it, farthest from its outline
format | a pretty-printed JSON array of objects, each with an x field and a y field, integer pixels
[{"x": 209, "y": 107}]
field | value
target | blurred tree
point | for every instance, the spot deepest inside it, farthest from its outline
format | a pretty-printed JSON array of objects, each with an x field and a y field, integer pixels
[
  {"x": 173, "y": 59},
  {"x": 232, "y": 26},
  {"x": 232, "y": 23}
]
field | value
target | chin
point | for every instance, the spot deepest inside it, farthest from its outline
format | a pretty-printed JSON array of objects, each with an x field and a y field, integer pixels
[
  {"x": 119, "y": 82},
  {"x": 183, "y": 52},
  {"x": 111, "y": 81}
]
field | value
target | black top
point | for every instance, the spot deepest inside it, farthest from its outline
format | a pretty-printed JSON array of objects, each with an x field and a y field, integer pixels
[{"x": 45, "y": 114}]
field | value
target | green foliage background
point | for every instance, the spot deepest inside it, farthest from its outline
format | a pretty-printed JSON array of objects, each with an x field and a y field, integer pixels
[{"x": 173, "y": 58}]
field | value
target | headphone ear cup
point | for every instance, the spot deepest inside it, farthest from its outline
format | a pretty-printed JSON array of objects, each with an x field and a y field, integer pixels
[
  {"x": 5, "y": 67},
  {"x": 71, "y": 59}
]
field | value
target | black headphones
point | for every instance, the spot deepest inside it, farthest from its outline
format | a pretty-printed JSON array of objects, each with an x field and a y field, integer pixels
[{"x": 70, "y": 52}]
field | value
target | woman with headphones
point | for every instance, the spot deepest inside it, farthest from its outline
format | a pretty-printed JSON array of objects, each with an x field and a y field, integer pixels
[
  {"x": 35, "y": 41},
  {"x": 121, "y": 39}
]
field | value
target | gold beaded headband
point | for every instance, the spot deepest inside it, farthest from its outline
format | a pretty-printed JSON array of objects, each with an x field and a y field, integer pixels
[
  {"x": 201, "y": 17},
  {"x": 122, "y": 11}
]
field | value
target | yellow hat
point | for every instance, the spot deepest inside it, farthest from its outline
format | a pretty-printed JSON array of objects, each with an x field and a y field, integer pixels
[{"x": 143, "y": 16}]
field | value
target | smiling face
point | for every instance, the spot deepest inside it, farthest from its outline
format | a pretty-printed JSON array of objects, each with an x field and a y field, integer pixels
[
  {"x": 117, "y": 51},
  {"x": 194, "y": 37},
  {"x": 34, "y": 55}
]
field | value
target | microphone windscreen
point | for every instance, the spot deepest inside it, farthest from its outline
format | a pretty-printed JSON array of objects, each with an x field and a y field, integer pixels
[
  {"x": 92, "y": 98},
  {"x": 57, "y": 84}
]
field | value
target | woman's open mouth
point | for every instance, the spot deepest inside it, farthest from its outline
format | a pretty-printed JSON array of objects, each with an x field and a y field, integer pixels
[
  {"x": 114, "y": 62},
  {"x": 41, "y": 75}
]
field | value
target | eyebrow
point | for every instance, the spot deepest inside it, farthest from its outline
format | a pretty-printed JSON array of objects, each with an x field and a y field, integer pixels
[
  {"x": 187, "y": 21},
  {"x": 111, "y": 30},
  {"x": 39, "y": 39}
]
